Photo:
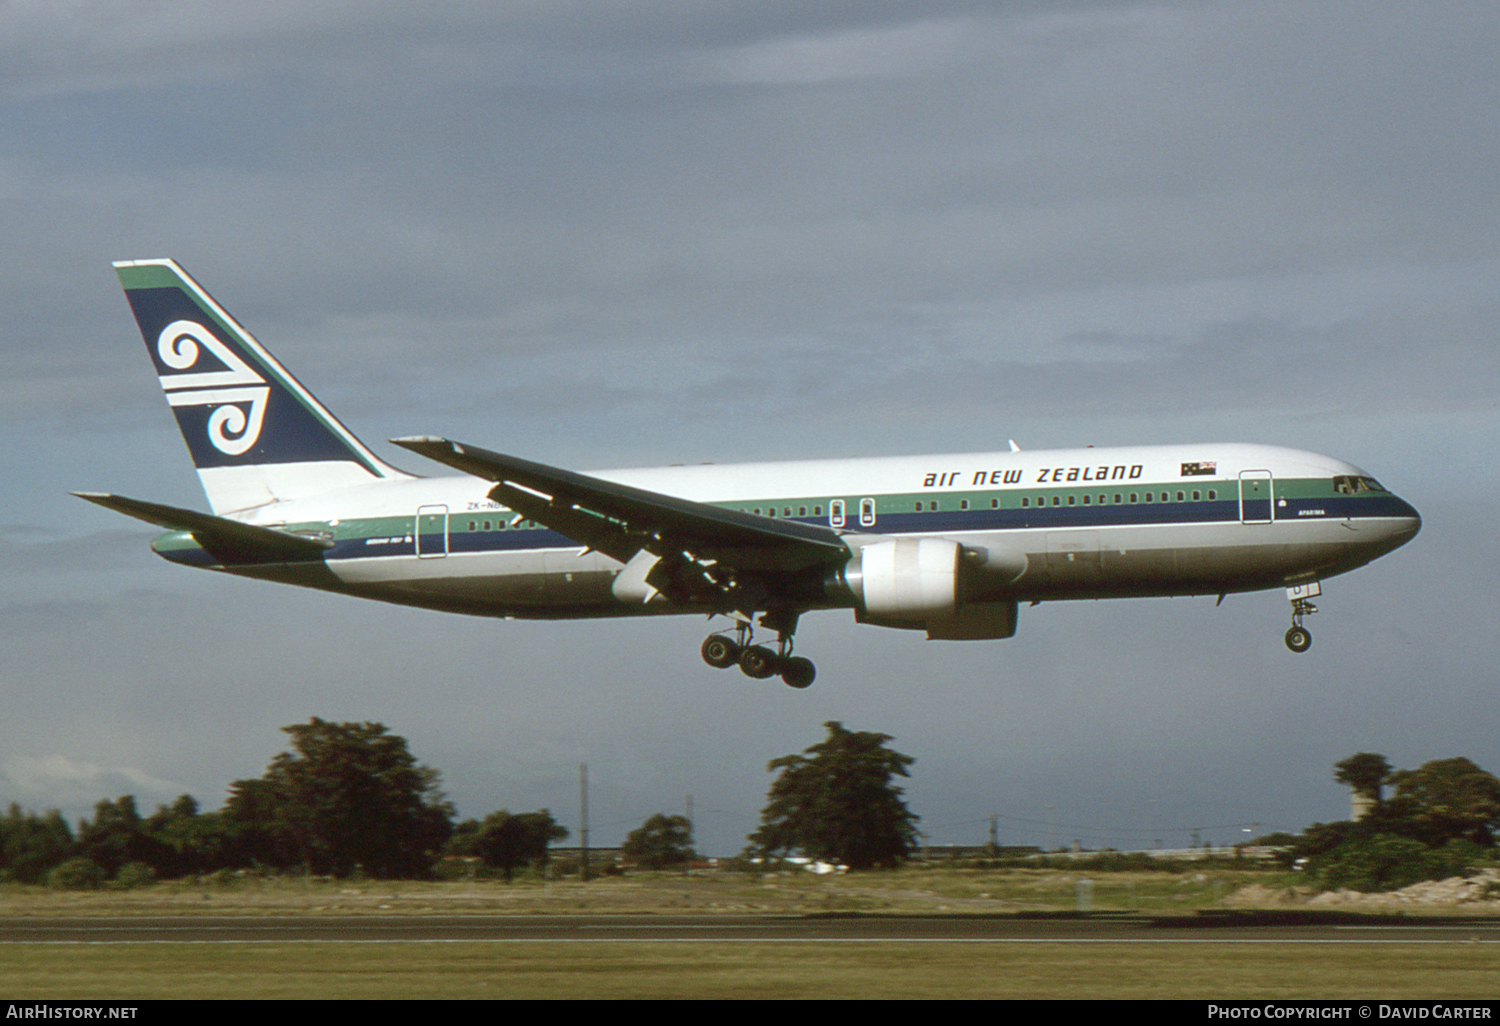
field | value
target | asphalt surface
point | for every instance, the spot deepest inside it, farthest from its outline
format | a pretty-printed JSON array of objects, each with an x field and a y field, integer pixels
[{"x": 1085, "y": 928}]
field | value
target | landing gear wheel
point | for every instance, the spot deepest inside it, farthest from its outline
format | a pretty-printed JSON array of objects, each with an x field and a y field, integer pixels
[
  {"x": 798, "y": 672},
  {"x": 758, "y": 661},
  {"x": 1298, "y": 638},
  {"x": 720, "y": 652}
]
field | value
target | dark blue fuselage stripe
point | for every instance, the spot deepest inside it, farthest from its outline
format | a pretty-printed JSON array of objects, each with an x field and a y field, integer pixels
[{"x": 1223, "y": 511}]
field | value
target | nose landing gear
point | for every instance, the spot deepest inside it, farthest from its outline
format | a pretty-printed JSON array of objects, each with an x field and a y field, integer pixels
[
  {"x": 1298, "y": 637},
  {"x": 761, "y": 661}
]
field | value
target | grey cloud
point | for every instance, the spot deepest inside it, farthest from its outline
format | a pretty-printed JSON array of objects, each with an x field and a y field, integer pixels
[{"x": 648, "y": 232}]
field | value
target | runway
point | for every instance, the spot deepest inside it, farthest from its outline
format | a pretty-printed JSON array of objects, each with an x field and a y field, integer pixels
[{"x": 1103, "y": 928}]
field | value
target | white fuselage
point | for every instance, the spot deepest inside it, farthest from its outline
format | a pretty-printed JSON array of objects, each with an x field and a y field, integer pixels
[{"x": 1074, "y": 523}]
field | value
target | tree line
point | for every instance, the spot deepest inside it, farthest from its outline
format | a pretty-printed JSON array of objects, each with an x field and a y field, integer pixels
[{"x": 347, "y": 798}]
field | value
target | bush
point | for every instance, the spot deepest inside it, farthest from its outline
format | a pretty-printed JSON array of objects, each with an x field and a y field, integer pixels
[
  {"x": 135, "y": 874},
  {"x": 452, "y": 870},
  {"x": 76, "y": 874},
  {"x": 1381, "y": 862}
]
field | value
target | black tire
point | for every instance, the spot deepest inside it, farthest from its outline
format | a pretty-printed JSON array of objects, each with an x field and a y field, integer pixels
[
  {"x": 1299, "y": 639},
  {"x": 798, "y": 672},
  {"x": 719, "y": 652},
  {"x": 758, "y": 661}
]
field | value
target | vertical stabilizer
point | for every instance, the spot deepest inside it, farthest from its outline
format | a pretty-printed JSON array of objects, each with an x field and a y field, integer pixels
[{"x": 255, "y": 434}]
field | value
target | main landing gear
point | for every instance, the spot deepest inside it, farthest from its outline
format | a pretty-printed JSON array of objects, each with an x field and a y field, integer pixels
[
  {"x": 761, "y": 661},
  {"x": 1298, "y": 637}
]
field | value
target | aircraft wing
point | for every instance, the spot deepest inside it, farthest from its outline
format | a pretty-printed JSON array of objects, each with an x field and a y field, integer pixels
[
  {"x": 622, "y": 521},
  {"x": 229, "y": 541}
]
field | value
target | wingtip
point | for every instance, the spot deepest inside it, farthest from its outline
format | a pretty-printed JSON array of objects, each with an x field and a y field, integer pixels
[
  {"x": 144, "y": 262},
  {"x": 431, "y": 446}
]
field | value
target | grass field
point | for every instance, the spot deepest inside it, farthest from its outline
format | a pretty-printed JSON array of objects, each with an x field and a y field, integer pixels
[
  {"x": 913, "y": 889},
  {"x": 750, "y": 970},
  {"x": 397, "y": 970}
]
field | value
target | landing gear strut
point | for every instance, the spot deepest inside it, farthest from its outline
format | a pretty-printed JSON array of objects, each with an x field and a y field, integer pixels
[
  {"x": 1298, "y": 637},
  {"x": 761, "y": 661}
]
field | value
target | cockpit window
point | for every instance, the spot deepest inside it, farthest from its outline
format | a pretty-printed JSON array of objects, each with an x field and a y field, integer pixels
[{"x": 1349, "y": 484}]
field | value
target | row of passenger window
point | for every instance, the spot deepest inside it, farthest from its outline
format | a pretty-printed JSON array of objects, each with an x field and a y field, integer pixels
[
  {"x": 1103, "y": 499},
  {"x": 500, "y": 525},
  {"x": 931, "y": 505},
  {"x": 786, "y": 511},
  {"x": 1119, "y": 498}
]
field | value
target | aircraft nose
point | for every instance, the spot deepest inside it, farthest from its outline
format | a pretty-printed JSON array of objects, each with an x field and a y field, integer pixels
[{"x": 1408, "y": 522}]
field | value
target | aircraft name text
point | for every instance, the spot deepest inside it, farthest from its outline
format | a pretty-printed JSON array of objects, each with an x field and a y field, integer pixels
[{"x": 1046, "y": 475}]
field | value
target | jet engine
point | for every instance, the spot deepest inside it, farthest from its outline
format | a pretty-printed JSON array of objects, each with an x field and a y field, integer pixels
[{"x": 950, "y": 590}]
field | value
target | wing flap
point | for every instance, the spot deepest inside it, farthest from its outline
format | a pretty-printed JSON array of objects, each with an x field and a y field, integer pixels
[
  {"x": 586, "y": 528},
  {"x": 620, "y": 520}
]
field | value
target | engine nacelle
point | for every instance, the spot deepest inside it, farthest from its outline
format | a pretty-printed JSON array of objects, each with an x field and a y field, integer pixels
[
  {"x": 976, "y": 621},
  {"x": 951, "y": 591},
  {"x": 907, "y": 579}
]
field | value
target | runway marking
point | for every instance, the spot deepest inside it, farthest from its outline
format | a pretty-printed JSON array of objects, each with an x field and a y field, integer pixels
[
  {"x": 778, "y": 940},
  {"x": 1416, "y": 926}
]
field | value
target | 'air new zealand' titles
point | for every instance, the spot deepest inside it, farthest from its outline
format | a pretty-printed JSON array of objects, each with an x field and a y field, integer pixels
[{"x": 297, "y": 498}]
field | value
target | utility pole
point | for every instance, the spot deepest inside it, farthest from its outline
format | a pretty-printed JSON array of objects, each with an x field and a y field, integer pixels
[{"x": 583, "y": 815}]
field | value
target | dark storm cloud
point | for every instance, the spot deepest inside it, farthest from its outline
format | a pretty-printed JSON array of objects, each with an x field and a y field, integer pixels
[{"x": 634, "y": 233}]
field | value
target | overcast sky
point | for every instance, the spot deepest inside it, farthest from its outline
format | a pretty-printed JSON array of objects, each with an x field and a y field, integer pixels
[{"x": 599, "y": 234}]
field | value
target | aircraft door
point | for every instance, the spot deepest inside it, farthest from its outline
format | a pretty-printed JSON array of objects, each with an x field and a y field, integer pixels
[
  {"x": 432, "y": 532},
  {"x": 1255, "y": 496}
]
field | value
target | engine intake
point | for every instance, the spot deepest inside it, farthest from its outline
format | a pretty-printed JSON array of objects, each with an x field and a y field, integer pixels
[{"x": 937, "y": 585}]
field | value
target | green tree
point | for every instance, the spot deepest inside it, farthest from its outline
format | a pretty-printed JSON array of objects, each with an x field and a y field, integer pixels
[
  {"x": 1448, "y": 799},
  {"x": 837, "y": 802},
  {"x": 1364, "y": 773},
  {"x": 1440, "y": 822},
  {"x": 189, "y": 841},
  {"x": 251, "y": 835},
  {"x": 508, "y": 842},
  {"x": 31, "y": 845},
  {"x": 661, "y": 841},
  {"x": 116, "y": 835},
  {"x": 347, "y": 796}
]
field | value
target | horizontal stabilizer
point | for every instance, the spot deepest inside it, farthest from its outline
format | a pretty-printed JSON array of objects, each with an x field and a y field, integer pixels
[{"x": 229, "y": 541}]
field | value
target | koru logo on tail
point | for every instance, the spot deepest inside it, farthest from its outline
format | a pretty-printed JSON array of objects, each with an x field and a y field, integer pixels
[{"x": 232, "y": 428}]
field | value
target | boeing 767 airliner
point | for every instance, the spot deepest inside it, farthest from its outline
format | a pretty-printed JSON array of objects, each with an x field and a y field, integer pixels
[{"x": 946, "y": 544}]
